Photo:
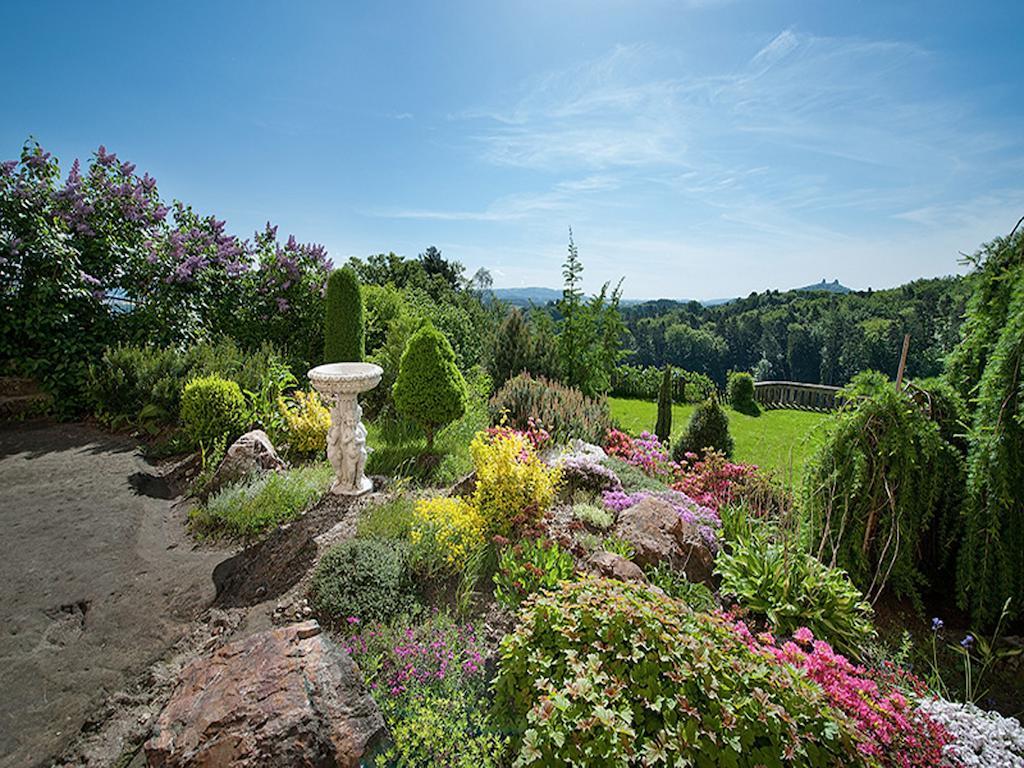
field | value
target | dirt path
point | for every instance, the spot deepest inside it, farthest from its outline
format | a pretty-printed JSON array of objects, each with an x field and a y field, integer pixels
[{"x": 96, "y": 580}]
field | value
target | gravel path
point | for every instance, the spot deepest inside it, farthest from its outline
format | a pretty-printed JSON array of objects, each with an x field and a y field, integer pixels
[{"x": 97, "y": 580}]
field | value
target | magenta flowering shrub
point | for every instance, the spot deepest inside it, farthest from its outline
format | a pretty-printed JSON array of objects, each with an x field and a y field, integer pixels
[
  {"x": 713, "y": 480},
  {"x": 644, "y": 452},
  {"x": 430, "y": 682},
  {"x": 890, "y": 729},
  {"x": 398, "y": 660}
]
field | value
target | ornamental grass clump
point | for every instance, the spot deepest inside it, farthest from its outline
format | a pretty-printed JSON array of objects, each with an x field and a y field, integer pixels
[
  {"x": 601, "y": 672},
  {"x": 513, "y": 486}
]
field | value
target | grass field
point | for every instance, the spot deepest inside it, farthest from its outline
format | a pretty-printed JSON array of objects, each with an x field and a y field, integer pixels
[{"x": 778, "y": 440}]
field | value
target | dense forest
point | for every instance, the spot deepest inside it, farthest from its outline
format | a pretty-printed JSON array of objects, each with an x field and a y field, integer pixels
[{"x": 809, "y": 336}]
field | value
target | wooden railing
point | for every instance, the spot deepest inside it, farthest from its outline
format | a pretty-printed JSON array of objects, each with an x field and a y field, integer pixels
[{"x": 795, "y": 395}]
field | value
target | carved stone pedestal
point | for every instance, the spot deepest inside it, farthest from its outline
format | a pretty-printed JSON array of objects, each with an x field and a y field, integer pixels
[{"x": 340, "y": 385}]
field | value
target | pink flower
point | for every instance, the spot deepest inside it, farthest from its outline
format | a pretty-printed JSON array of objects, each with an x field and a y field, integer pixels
[{"x": 804, "y": 636}]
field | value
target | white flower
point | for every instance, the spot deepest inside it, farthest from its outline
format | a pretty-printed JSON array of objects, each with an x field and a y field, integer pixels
[{"x": 982, "y": 739}]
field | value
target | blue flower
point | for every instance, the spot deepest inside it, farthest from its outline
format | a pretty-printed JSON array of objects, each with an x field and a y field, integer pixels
[
  {"x": 937, "y": 624},
  {"x": 968, "y": 641}
]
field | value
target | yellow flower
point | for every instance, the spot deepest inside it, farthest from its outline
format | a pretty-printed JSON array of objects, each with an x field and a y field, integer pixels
[
  {"x": 511, "y": 480},
  {"x": 451, "y": 525}
]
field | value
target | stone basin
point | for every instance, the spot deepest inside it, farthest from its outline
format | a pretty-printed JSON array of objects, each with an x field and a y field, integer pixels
[{"x": 340, "y": 384}]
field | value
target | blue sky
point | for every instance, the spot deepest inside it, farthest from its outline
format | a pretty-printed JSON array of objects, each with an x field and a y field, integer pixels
[{"x": 699, "y": 148}]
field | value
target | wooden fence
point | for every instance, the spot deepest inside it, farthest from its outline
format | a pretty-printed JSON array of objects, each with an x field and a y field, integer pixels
[{"x": 793, "y": 394}]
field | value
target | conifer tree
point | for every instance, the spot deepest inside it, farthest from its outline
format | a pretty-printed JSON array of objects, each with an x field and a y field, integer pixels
[
  {"x": 663, "y": 427},
  {"x": 344, "y": 323}
]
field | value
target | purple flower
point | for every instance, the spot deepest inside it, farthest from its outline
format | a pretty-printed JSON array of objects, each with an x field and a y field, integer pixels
[
  {"x": 937, "y": 624},
  {"x": 967, "y": 642}
]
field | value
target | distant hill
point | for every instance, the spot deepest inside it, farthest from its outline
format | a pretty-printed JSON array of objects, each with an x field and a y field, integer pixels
[
  {"x": 523, "y": 297},
  {"x": 834, "y": 287}
]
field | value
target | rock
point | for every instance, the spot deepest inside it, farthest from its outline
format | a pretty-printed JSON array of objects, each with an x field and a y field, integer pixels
[
  {"x": 464, "y": 487},
  {"x": 615, "y": 567},
  {"x": 658, "y": 534},
  {"x": 284, "y": 697},
  {"x": 575, "y": 449},
  {"x": 251, "y": 453}
]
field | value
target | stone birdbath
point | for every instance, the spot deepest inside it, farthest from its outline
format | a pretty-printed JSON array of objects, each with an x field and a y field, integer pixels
[{"x": 340, "y": 385}]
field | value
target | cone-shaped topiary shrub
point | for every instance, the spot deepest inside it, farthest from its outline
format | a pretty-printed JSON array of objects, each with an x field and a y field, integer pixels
[
  {"x": 429, "y": 389},
  {"x": 708, "y": 428},
  {"x": 663, "y": 426},
  {"x": 343, "y": 325},
  {"x": 740, "y": 390}
]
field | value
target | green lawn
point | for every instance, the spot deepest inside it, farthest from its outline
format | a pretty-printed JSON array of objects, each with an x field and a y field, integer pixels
[{"x": 779, "y": 440}]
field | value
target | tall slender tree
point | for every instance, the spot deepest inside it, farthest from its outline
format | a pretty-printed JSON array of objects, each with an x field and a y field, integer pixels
[{"x": 663, "y": 427}]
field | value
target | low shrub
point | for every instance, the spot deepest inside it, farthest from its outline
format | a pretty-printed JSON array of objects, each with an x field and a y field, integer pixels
[
  {"x": 390, "y": 520},
  {"x": 364, "y": 579},
  {"x": 645, "y": 452},
  {"x": 212, "y": 407},
  {"x": 253, "y": 506},
  {"x": 632, "y": 478},
  {"x": 512, "y": 483},
  {"x": 602, "y": 672},
  {"x": 529, "y": 567},
  {"x": 708, "y": 428},
  {"x": 675, "y": 584},
  {"x": 618, "y": 546},
  {"x": 891, "y": 732},
  {"x": 792, "y": 589},
  {"x": 306, "y": 422},
  {"x": 593, "y": 516},
  {"x": 585, "y": 475},
  {"x": 430, "y": 682},
  {"x": 565, "y": 412},
  {"x": 445, "y": 531},
  {"x": 714, "y": 481},
  {"x": 740, "y": 393}
]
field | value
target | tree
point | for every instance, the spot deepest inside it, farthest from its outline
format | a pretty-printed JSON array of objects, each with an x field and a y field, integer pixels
[
  {"x": 435, "y": 265},
  {"x": 343, "y": 325},
  {"x": 512, "y": 352},
  {"x": 663, "y": 427},
  {"x": 429, "y": 389},
  {"x": 573, "y": 338},
  {"x": 986, "y": 368},
  {"x": 708, "y": 428}
]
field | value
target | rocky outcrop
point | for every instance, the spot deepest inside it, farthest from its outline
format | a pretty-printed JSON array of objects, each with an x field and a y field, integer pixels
[
  {"x": 659, "y": 535},
  {"x": 613, "y": 566},
  {"x": 285, "y": 697},
  {"x": 250, "y": 454}
]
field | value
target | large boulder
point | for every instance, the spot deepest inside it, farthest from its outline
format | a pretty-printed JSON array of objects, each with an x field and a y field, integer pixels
[
  {"x": 659, "y": 535},
  {"x": 613, "y": 566},
  {"x": 284, "y": 697},
  {"x": 252, "y": 453}
]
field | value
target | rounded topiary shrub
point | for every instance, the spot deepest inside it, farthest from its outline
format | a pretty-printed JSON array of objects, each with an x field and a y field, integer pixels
[
  {"x": 740, "y": 391},
  {"x": 364, "y": 578},
  {"x": 708, "y": 428},
  {"x": 429, "y": 389},
  {"x": 344, "y": 325},
  {"x": 212, "y": 407},
  {"x": 601, "y": 672}
]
